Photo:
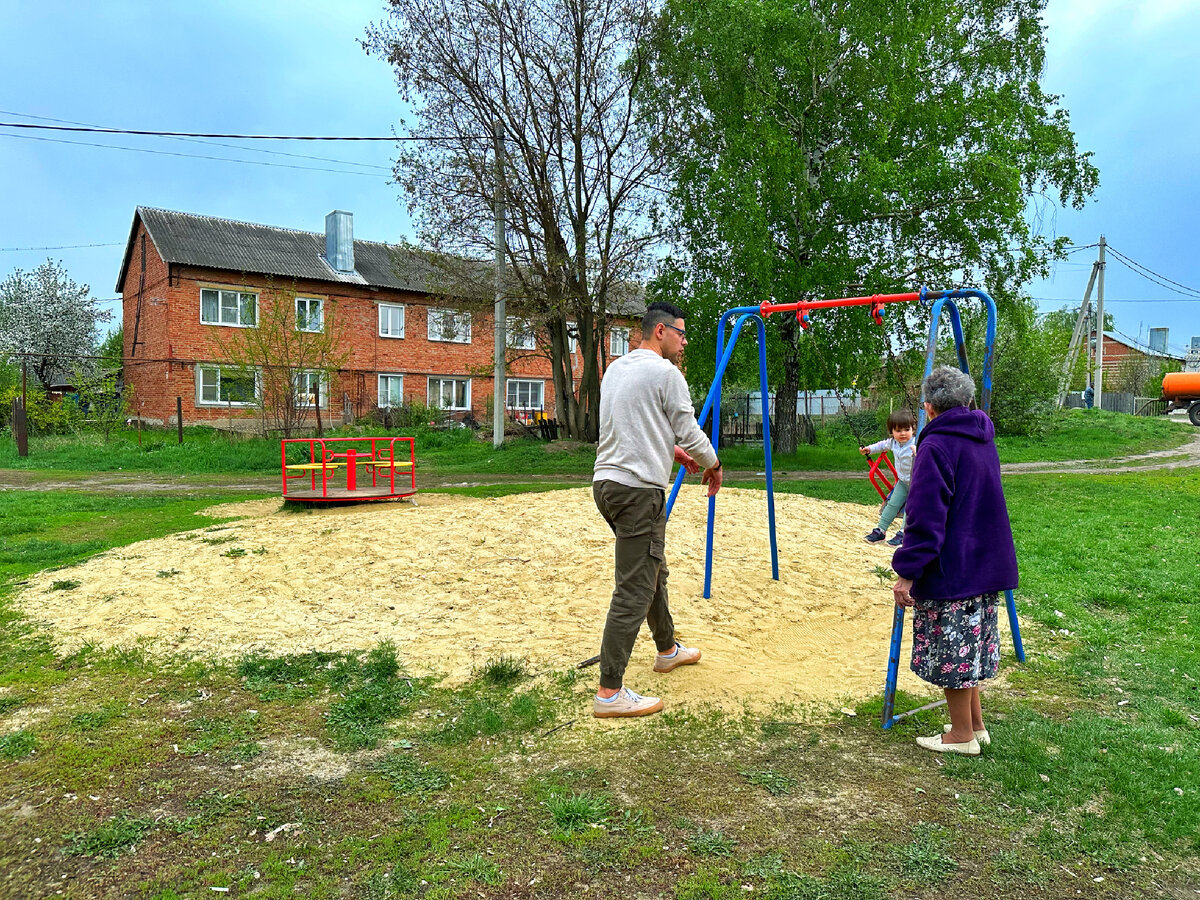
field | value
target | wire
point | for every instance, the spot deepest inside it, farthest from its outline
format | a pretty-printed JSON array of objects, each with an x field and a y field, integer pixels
[
  {"x": 1150, "y": 275},
  {"x": 1107, "y": 300},
  {"x": 64, "y": 247},
  {"x": 346, "y": 162},
  {"x": 240, "y": 137},
  {"x": 247, "y": 162}
]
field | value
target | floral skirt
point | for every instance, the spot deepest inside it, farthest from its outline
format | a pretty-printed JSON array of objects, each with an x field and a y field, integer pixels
[{"x": 956, "y": 643}]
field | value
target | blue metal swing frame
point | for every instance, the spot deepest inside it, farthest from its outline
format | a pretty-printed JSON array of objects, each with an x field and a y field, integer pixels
[{"x": 711, "y": 413}]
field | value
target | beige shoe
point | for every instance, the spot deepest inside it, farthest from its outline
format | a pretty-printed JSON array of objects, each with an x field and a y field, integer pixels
[
  {"x": 684, "y": 656},
  {"x": 982, "y": 735},
  {"x": 625, "y": 704},
  {"x": 934, "y": 743}
]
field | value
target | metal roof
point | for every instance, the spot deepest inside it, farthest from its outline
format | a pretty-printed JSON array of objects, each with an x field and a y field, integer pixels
[
  {"x": 209, "y": 242},
  {"x": 213, "y": 243}
]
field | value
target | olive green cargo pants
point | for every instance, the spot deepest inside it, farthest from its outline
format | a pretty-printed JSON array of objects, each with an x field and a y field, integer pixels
[{"x": 638, "y": 518}]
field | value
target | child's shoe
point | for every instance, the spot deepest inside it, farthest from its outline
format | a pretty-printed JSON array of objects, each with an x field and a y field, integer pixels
[
  {"x": 875, "y": 536},
  {"x": 897, "y": 539}
]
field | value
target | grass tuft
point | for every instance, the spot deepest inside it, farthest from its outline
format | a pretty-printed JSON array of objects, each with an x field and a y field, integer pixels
[
  {"x": 502, "y": 672},
  {"x": 17, "y": 744},
  {"x": 409, "y": 776},
  {"x": 578, "y": 811},
  {"x": 114, "y": 837}
]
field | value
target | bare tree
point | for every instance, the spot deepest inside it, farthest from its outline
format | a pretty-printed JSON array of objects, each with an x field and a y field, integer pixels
[
  {"x": 287, "y": 361},
  {"x": 556, "y": 77}
]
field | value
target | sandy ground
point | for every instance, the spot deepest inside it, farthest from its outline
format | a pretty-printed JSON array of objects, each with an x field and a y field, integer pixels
[{"x": 456, "y": 581}]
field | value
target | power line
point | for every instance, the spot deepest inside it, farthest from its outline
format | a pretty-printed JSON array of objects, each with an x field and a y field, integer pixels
[
  {"x": 247, "y": 162},
  {"x": 240, "y": 137},
  {"x": 1155, "y": 277},
  {"x": 346, "y": 162},
  {"x": 64, "y": 247}
]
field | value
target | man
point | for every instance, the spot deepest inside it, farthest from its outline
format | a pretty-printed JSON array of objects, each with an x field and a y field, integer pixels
[{"x": 646, "y": 422}]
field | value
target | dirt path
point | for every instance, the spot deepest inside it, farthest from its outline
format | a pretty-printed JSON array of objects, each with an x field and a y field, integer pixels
[{"x": 1185, "y": 456}]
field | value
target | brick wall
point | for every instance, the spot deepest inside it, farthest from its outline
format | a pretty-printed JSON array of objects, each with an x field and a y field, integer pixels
[{"x": 172, "y": 341}]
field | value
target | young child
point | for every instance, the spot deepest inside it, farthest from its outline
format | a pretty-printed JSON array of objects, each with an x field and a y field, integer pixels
[{"x": 903, "y": 444}]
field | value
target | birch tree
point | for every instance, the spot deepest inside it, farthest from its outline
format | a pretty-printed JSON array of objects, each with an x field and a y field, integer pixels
[{"x": 822, "y": 148}]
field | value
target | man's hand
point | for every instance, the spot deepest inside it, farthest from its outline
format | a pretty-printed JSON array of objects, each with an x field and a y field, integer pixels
[
  {"x": 712, "y": 477},
  {"x": 864, "y": 451},
  {"x": 900, "y": 590},
  {"x": 685, "y": 459}
]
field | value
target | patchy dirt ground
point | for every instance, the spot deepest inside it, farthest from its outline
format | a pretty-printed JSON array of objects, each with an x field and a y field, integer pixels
[{"x": 457, "y": 581}]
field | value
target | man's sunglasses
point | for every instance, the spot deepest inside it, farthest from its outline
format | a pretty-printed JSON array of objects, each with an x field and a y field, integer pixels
[{"x": 682, "y": 332}]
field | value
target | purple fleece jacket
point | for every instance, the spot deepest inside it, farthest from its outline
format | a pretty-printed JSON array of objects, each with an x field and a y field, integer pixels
[{"x": 957, "y": 538}]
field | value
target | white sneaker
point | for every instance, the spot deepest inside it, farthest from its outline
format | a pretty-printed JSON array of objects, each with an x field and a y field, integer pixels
[
  {"x": 982, "y": 735},
  {"x": 624, "y": 704},
  {"x": 684, "y": 656}
]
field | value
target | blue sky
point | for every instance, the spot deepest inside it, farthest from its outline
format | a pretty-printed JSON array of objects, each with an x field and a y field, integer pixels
[{"x": 1125, "y": 70}]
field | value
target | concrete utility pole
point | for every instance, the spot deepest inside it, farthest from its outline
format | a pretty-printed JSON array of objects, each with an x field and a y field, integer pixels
[
  {"x": 499, "y": 392},
  {"x": 1099, "y": 398},
  {"x": 1080, "y": 335}
]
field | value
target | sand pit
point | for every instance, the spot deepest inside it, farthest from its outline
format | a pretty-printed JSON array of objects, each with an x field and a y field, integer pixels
[{"x": 457, "y": 581}]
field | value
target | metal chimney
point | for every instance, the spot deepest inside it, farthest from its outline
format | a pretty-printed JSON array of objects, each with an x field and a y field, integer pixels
[{"x": 339, "y": 241}]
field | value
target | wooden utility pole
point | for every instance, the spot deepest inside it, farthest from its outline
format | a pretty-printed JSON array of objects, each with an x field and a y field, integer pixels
[
  {"x": 1099, "y": 400},
  {"x": 499, "y": 389}
]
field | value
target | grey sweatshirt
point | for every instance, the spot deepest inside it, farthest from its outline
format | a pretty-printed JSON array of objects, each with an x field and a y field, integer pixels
[{"x": 645, "y": 410}]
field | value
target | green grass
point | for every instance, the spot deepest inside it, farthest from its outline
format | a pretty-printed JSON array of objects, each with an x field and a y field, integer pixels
[
  {"x": 47, "y": 529},
  {"x": 1073, "y": 434},
  {"x": 372, "y": 783}
]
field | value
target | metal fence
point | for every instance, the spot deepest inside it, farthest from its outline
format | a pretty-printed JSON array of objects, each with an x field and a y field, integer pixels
[
  {"x": 741, "y": 413},
  {"x": 1120, "y": 401}
]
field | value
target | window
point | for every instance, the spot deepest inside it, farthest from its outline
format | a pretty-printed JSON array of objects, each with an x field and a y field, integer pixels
[
  {"x": 310, "y": 314},
  {"x": 449, "y": 325},
  {"x": 235, "y": 308},
  {"x": 618, "y": 341},
  {"x": 572, "y": 337},
  {"x": 391, "y": 391},
  {"x": 519, "y": 334},
  {"x": 224, "y": 385},
  {"x": 310, "y": 386},
  {"x": 525, "y": 394},
  {"x": 391, "y": 320},
  {"x": 450, "y": 393}
]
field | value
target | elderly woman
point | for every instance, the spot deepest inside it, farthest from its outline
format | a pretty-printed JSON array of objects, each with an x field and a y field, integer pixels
[{"x": 957, "y": 555}]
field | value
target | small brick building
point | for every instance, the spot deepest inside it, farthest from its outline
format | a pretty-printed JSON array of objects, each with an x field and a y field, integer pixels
[{"x": 187, "y": 280}]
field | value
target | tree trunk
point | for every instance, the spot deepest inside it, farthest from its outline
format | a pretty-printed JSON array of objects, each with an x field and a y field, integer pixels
[{"x": 789, "y": 390}]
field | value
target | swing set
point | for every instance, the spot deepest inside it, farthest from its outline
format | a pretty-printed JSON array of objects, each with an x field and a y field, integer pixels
[{"x": 941, "y": 301}]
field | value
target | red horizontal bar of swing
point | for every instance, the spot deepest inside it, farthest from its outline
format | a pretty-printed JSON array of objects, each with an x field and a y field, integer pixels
[{"x": 768, "y": 308}]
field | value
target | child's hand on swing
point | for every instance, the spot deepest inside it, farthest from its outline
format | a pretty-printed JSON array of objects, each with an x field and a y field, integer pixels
[{"x": 864, "y": 451}]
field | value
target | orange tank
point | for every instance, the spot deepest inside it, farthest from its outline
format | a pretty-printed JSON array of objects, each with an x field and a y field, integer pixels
[{"x": 1181, "y": 386}]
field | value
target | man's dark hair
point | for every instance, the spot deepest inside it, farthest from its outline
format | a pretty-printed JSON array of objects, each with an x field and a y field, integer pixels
[{"x": 660, "y": 312}]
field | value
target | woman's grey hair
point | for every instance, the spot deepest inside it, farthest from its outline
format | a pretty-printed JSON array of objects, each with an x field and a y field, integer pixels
[{"x": 948, "y": 387}]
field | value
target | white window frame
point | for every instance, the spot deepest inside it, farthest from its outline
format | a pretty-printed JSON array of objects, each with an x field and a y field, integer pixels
[
  {"x": 518, "y": 383},
  {"x": 523, "y": 329},
  {"x": 238, "y": 404},
  {"x": 385, "y": 401},
  {"x": 239, "y": 295},
  {"x": 441, "y": 322},
  {"x": 572, "y": 337},
  {"x": 308, "y": 315},
  {"x": 304, "y": 399},
  {"x": 382, "y": 319},
  {"x": 440, "y": 380},
  {"x": 618, "y": 341}
]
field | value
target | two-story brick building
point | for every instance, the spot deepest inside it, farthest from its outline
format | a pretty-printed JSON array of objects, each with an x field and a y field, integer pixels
[{"x": 188, "y": 280}]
